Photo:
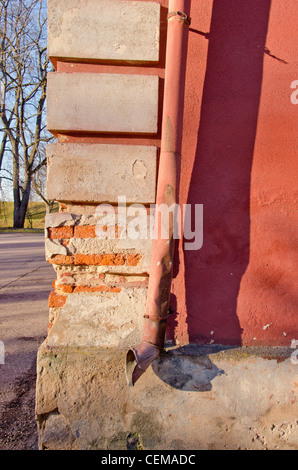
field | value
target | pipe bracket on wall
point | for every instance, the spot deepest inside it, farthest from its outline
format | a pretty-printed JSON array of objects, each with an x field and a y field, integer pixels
[{"x": 182, "y": 17}]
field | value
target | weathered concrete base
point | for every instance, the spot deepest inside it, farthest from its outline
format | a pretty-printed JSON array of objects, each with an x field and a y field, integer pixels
[{"x": 192, "y": 398}]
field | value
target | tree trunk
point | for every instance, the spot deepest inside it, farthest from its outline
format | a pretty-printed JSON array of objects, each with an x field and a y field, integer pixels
[
  {"x": 16, "y": 208},
  {"x": 16, "y": 184},
  {"x": 20, "y": 209},
  {"x": 49, "y": 206}
]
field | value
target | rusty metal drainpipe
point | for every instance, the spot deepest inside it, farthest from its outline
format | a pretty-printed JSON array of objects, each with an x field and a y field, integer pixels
[{"x": 139, "y": 358}]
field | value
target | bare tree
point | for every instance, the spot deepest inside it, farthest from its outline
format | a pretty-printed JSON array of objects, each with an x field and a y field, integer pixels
[
  {"x": 23, "y": 72},
  {"x": 39, "y": 182}
]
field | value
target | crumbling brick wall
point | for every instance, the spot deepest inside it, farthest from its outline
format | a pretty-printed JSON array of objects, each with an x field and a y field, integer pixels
[
  {"x": 104, "y": 106},
  {"x": 104, "y": 117}
]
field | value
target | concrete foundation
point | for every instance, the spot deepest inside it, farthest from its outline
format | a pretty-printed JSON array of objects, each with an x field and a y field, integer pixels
[{"x": 212, "y": 398}]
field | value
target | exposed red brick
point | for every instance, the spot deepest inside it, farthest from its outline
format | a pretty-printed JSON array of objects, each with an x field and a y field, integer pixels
[
  {"x": 62, "y": 207},
  {"x": 85, "y": 231},
  {"x": 99, "y": 260},
  {"x": 65, "y": 288},
  {"x": 87, "y": 259},
  {"x": 96, "y": 289},
  {"x": 60, "y": 232},
  {"x": 56, "y": 300},
  {"x": 61, "y": 259},
  {"x": 113, "y": 260},
  {"x": 133, "y": 260}
]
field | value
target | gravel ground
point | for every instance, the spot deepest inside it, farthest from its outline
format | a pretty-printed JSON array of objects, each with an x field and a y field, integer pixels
[
  {"x": 25, "y": 284},
  {"x": 18, "y": 427}
]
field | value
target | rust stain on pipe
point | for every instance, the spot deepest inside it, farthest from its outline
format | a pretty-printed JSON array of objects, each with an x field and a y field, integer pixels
[{"x": 139, "y": 358}]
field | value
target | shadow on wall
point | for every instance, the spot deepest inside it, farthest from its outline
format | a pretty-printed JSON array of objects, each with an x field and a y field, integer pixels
[{"x": 221, "y": 173}]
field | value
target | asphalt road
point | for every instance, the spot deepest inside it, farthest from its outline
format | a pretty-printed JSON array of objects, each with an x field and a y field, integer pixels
[{"x": 25, "y": 283}]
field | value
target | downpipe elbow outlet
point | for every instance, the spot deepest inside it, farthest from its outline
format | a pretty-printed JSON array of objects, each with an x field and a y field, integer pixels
[{"x": 138, "y": 360}]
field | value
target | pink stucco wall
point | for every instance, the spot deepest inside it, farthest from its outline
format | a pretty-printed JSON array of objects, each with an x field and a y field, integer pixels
[{"x": 240, "y": 161}]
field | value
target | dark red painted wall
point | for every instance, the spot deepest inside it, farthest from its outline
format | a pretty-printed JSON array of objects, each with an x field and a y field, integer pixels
[{"x": 240, "y": 161}]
